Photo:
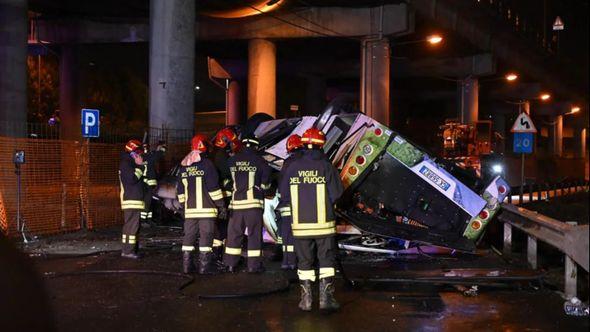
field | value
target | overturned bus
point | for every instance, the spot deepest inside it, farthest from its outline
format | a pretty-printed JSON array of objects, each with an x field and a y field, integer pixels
[{"x": 393, "y": 188}]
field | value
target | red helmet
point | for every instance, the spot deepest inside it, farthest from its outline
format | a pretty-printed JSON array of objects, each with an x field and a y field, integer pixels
[
  {"x": 294, "y": 143},
  {"x": 313, "y": 136},
  {"x": 199, "y": 143},
  {"x": 134, "y": 145},
  {"x": 224, "y": 137}
]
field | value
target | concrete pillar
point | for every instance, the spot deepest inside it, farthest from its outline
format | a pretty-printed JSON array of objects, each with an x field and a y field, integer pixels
[
  {"x": 262, "y": 68},
  {"x": 469, "y": 100},
  {"x": 315, "y": 95},
  {"x": 579, "y": 142},
  {"x": 232, "y": 112},
  {"x": 13, "y": 67},
  {"x": 375, "y": 67},
  {"x": 556, "y": 136},
  {"x": 69, "y": 113},
  {"x": 69, "y": 93},
  {"x": 172, "y": 64}
]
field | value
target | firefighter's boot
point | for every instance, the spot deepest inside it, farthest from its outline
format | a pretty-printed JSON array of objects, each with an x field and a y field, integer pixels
[
  {"x": 306, "y": 295},
  {"x": 129, "y": 252},
  {"x": 218, "y": 255},
  {"x": 188, "y": 265},
  {"x": 327, "y": 300},
  {"x": 206, "y": 265}
]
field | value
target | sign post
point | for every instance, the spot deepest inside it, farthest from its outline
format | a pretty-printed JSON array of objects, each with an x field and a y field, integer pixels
[
  {"x": 90, "y": 128},
  {"x": 523, "y": 141}
]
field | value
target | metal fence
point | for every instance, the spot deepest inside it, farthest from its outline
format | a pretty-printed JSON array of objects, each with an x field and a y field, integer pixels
[
  {"x": 107, "y": 134},
  {"x": 205, "y": 122},
  {"x": 545, "y": 191},
  {"x": 64, "y": 185}
]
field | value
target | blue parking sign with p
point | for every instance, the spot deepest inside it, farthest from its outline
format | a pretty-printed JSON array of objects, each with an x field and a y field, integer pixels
[
  {"x": 90, "y": 123},
  {"x": 523, "y": 143}
]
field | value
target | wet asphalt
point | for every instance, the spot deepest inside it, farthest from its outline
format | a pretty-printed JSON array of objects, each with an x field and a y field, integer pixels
[{"x": 412, "y": 298}]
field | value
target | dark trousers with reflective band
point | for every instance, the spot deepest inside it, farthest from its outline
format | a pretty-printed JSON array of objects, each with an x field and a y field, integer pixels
[
  {"x": 204, "y": 228},
  {"x": 220, "y": 232},
  {"x": 130, "y": 230},
  {"x": 146, "y": 214},
  {"x": 308, "y": 249},
  {"x": 289, "y": 257},
  {"x": 221, "y": 229},
  {"x": 239, "y": 221}
]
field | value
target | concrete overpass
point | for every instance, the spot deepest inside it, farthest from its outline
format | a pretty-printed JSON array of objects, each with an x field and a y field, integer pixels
[{"x": 173, "y": 28}]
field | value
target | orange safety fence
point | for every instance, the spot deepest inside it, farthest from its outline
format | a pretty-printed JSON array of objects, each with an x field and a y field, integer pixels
[{"x": 65, "y": 185}]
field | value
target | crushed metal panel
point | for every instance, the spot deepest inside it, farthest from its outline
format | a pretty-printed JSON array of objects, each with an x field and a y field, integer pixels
[
  {"x": 280, "y": 148},
  {"x": 409, "y": 195}
]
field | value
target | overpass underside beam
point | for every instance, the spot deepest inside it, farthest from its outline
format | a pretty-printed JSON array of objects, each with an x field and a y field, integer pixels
[{"x": 338, "y": 22}]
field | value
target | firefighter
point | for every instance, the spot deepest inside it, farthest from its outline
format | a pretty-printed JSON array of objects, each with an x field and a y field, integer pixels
[
  {"x": 251, "y": 178},
  {"x": 311, "y": 185},
  {"x": 150, "y": 158},
  {"x": 227, "y": 144},
  {"x": 131, "y": 170},
  {"x": 199, "y": 192},
  {"x": 294, "y": 146}
]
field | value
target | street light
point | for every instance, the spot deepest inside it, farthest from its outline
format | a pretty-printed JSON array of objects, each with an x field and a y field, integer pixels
[
  {"x": 545, "y": 96},
  {"x": 575, "y": 109},
  {"x": 434, "y": 39},
  {"x": 511, "y": 77}
]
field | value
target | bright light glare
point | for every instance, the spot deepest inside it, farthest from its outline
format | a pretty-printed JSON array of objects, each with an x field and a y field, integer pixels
[
  {"x": 434, "y": 39},
  {"x": 497, "y": 168},
  {"x": 575, "y": 109},
  {"x": 511, "y": 77},
  {"x": 545, "y": 96}
]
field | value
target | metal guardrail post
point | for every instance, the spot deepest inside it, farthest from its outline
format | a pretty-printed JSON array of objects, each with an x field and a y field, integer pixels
[
  {"x": 571, "y": 278},
  {"x": 530, "y": 192},
  {"x": 571, "y": 273},
  {"x": 546, "y": 191},
  {"x": 568, "y": 237},
  {"x": 531, "y": 251},
  {"x": 507, "y": 249}
]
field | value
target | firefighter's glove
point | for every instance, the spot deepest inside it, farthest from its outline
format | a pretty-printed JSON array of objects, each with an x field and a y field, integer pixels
[{"x": 222, "y": 213}]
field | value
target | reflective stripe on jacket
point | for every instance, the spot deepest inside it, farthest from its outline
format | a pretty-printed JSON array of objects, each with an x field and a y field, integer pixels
[
  {"x": 310, "y": 186},
  {"x": 131, "y": 183},
  {"x": 198, "y": 189},
  {"x": 151, "y": 159},
  {"x": 251, "y": 178}
]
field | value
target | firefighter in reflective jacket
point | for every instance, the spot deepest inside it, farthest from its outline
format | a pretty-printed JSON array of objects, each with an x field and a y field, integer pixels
[
  {"x": 150, "y": 158},
  {"x": 131, "y": 170},
  {"x": 227, "y": 144},
  {"x": 199, "y": 192},
  {"x": 312, "y": 185},
  {"x": 294, "y": 146},
  {"x": 251, "y": 178}
]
